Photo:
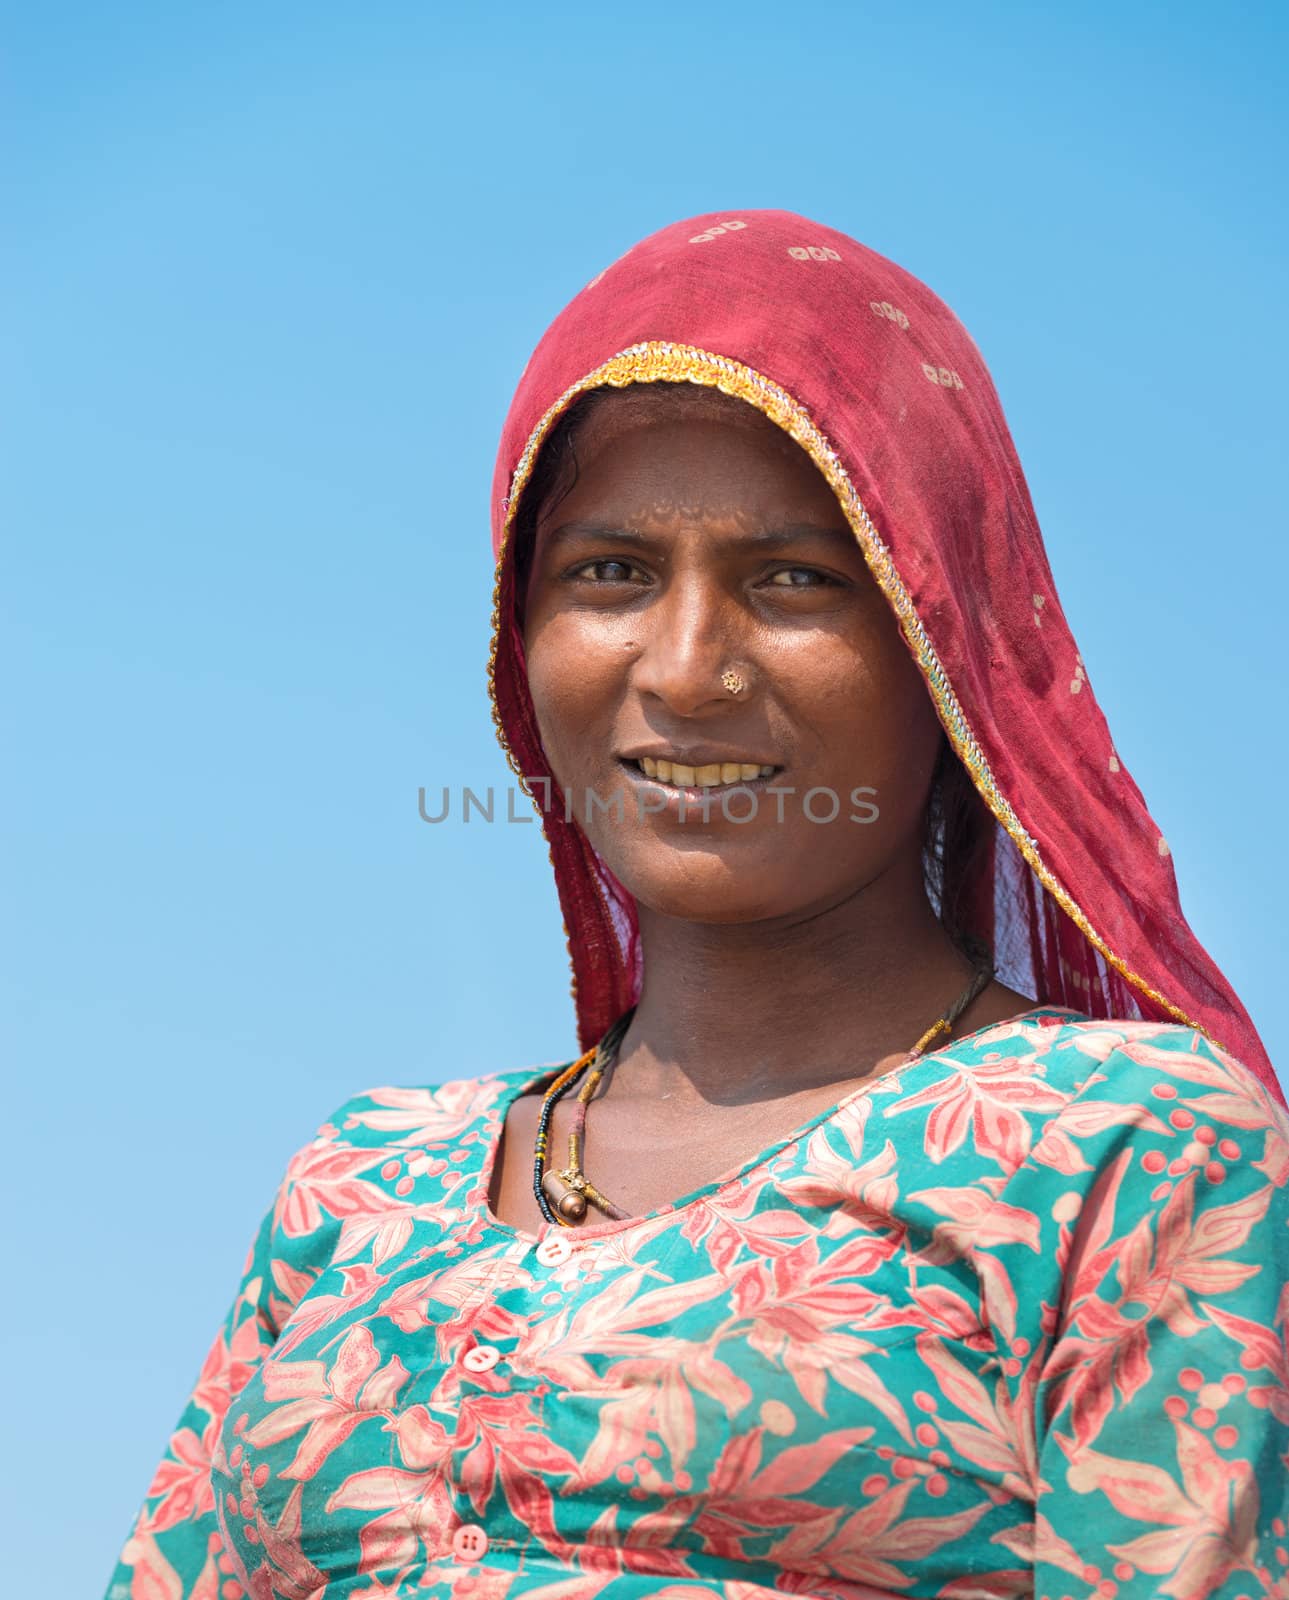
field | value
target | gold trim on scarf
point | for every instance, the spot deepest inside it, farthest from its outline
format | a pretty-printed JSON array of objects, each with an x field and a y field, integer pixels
[{"x": 657, "y": 362}]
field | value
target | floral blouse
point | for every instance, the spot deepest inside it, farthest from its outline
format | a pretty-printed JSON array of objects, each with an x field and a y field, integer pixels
[{"x": 1009, "y": 1320}]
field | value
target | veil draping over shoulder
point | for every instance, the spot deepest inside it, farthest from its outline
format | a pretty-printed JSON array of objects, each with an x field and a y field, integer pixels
[{"x": 882, "y": 386}]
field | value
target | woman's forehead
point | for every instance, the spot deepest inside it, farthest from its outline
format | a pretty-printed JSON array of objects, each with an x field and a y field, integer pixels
[
  {"x": 613, "y": 412},
  {"x": 746, "y": 492},
  {"x": 649, "y": 436}
]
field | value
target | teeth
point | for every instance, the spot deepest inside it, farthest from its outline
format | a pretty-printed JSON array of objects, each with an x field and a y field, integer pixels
[{"x": 705, "y": 777}]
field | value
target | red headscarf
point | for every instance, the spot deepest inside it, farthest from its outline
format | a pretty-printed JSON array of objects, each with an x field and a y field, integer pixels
[{"x": 884, "y": 389}]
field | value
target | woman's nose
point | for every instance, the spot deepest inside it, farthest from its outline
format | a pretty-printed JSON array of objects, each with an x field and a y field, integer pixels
[{"x": 685, "y": 646}]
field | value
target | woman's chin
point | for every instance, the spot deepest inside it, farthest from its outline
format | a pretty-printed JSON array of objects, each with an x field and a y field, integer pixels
[{"x": 704, "y": 886}]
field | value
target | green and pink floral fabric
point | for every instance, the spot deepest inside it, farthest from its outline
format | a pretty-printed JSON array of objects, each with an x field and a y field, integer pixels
[{"x": 1009, "y": 1321}]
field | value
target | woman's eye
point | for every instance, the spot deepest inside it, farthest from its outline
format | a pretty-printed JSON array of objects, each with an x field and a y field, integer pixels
[
  {"x": 608, "y": 570},
  {"x": 799, "y": 578}
]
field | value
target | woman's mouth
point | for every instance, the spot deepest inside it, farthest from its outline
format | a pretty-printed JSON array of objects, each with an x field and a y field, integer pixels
[{"x": 682, "y": 776}]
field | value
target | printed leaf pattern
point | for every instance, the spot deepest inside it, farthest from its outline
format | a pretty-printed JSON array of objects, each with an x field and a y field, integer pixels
[{"x": 1010, "y": 1322}]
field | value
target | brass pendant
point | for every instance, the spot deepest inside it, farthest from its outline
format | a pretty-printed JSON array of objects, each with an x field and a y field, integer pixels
[{"x": 564, "y": 1191}]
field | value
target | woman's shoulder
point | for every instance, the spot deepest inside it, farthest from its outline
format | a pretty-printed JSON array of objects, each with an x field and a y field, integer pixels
[
  {"x": 1064, "y": 1093},
  {"x": 1078, "y": 1055},
  {"x": 386, "y": 1148},
  {"x": 1054, "y": 1137},
  {"x": 421, "y": 1115}
]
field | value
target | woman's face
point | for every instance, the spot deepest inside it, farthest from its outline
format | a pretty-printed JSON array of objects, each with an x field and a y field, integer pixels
[{"x": 700, "y": 539}]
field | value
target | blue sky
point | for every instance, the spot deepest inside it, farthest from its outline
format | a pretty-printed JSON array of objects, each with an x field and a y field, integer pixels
[{"x": 271, "y": 275}]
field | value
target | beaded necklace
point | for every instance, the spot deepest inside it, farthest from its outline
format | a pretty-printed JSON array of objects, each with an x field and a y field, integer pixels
[{"x": 563, "y": 1196}]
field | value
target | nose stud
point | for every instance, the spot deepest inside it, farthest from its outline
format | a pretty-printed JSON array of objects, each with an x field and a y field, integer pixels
[{"x": 732, "y": 681}]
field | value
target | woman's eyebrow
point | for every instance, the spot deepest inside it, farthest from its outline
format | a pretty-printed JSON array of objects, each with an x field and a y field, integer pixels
[{"x": 771, "y": 537}]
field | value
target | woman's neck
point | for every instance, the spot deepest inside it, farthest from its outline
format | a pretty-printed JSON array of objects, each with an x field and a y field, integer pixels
[{"x": 733, "y": 1013}]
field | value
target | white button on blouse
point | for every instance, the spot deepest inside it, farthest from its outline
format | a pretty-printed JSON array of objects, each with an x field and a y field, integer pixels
[
  {"x": 469, "y": 1542},
  {"x": 481, "y": 1357},
  {"x": 553, "y": 1252}
]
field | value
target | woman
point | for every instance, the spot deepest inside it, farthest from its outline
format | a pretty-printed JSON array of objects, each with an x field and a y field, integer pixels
[{"x": 914, "y": 1222}]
